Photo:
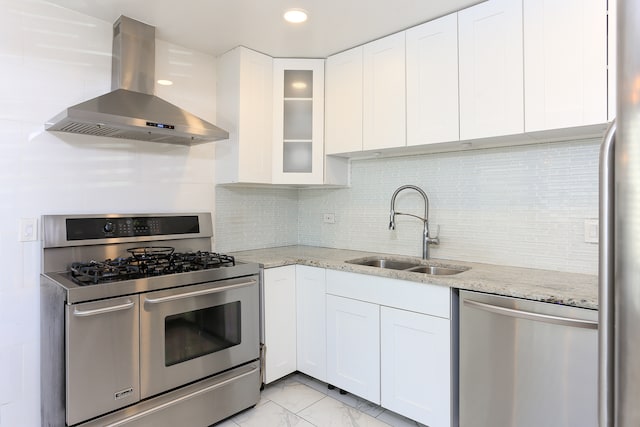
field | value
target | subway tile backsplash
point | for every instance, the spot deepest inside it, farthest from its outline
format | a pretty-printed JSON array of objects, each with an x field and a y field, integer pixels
[
  {"x": 255, "y": 218},
  {"x": 522, "y": 206}
]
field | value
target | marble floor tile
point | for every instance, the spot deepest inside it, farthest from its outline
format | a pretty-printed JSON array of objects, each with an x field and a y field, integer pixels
[
  {"x": 226, "y": 423},
  {"x": 330, "y": 412},
  {"x": 356, "y": 402},
  {"x": 312, "y": 382},
  {"x": 396, "y": 420},
  {"x": 350, "y": 399},
  {"x": 269, "y": 414},
  {"x": 301, "y": 401},
  {"x": 292, "y": 395}
]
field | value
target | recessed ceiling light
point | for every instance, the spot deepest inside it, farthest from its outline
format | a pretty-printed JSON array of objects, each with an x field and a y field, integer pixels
[
  {"x": 165, "y": 82},
  {"x": 295, "y": 16}
]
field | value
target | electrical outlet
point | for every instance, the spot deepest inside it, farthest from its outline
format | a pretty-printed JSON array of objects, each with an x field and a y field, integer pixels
[
  {"x": 591, "y": 231},
  {"x": 28, "y": 229},
  {"x": 329, "y": 218}
]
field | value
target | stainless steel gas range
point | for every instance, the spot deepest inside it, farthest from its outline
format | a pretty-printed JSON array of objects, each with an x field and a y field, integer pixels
[{"x": 142, "y": 325}]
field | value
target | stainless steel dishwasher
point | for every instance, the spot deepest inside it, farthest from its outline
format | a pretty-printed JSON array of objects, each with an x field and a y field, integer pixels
[{"x": 526, "y": 363}]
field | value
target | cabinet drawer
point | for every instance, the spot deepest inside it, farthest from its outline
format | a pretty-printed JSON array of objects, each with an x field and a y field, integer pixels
[{"x": 402, "y": 294}]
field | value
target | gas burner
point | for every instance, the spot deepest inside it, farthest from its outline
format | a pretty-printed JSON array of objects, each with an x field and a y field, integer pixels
[
  {"x": 147, "y": 262},
  {"x": 105, "y": 271},
  {"x": 206, "y": 260}
]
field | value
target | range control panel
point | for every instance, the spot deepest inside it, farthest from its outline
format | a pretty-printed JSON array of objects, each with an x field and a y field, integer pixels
[{"x": 108, "y": 227}]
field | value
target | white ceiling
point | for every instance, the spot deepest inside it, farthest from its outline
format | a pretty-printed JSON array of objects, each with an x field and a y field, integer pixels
[{"x": 215, "y": 26}]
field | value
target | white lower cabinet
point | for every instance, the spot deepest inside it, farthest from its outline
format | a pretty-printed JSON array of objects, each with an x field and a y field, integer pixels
[
  {"x": 353, "y": 346},
  {"x": 311, "y": 321},
  {"x": 385, "y": 340},
  {"x": 279, "y": 322},
  {"x": 415, "y": 366},
  {"x": 389, "y": 341}
]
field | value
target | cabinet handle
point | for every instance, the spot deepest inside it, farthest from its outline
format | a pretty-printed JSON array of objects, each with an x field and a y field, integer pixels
[
  {"x": 547, "y": 318},
  {"x": 95, "y": 312},
  {"x": 198, "y": 293}
]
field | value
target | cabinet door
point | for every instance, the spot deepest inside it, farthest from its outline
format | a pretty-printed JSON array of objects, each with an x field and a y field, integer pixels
[
  {"x": 565, "y": 63},
  {"x": 353, "y": 346},
  {"x": 298, "y": 117},
  {"x": 491, "y": 71},
  {"x": 432, "y": 82},
  {"x": 416, "y": 366},
  {"x": 311, "y": 321},
  {"x": 343, "y": 101},
  {"x": 279, "y": 322},
  {"x": 384, "y": 121},
  {"x": 245, "y": 108}
]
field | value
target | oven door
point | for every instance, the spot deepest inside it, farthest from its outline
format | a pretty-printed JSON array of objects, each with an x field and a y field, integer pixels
[{"x": 192, "y": 332}]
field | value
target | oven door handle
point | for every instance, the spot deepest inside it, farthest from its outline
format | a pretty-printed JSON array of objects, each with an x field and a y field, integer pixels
[
  {"x": 95, "y": 312},
  {"x": 198, "y": 293}
]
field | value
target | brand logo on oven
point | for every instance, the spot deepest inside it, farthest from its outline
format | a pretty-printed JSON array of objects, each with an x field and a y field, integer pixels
[{"x": 123, "y": 394}]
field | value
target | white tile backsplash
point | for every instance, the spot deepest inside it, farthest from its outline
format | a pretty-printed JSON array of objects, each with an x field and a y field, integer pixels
[
  {"x": 522, "y": 206},
  {"x": 254, "y": 218}
]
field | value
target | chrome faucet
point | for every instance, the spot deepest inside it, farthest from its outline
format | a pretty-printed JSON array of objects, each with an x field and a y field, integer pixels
[{"x": 426, "y": 239}]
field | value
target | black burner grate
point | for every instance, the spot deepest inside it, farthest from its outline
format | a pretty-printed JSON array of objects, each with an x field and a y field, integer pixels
[{"x": 147, "y": 262}]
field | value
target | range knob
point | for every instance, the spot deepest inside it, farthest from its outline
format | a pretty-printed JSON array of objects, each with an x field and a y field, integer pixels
[{"x": 109, "y": 227}]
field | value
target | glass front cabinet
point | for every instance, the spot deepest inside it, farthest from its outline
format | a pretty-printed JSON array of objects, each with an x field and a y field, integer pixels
[{"x": 298, "y": 133}]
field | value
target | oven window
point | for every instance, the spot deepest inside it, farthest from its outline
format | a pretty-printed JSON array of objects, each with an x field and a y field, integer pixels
[{"x": 200, "y": 332}]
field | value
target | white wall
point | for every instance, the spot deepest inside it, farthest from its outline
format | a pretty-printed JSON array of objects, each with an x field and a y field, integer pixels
[
  {"x": 52, "y": 58},
  {"x": 519, "y": 206}
]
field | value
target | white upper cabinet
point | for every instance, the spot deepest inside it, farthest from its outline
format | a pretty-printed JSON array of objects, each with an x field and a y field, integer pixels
[
  {"x": 245, "y": 109},
  {"x": 298, "y": 117},
  {"x": 565, "y": 63},
  {"x": 432, "y": 82},
  {"x": 384, "y": 115},
  {"x": 343, "y": 102},
  {"x": 491, "y": 70}
]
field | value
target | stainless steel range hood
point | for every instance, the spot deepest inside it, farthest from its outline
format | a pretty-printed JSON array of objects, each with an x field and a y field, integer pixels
[{"x": 131, "y": 110}]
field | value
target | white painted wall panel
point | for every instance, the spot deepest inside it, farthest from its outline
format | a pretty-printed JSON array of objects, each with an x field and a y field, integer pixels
[{"x": 51, "y": 59}]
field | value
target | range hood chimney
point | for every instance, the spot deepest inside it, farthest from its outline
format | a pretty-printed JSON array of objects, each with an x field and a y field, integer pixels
[{"x": 131, "y": 110}]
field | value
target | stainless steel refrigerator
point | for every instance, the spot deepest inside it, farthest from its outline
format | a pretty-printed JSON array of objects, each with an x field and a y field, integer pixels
[{"x": 619, "y": 358}]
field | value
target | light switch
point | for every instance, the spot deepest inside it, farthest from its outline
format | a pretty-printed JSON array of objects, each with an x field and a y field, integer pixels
[{"x": 28, "y": 229}]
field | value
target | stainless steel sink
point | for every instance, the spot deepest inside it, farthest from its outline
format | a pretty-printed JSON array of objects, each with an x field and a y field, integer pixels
[
  {"x": 436, "y": 270},
  {"x": 385, "y": 263},
  {"x": 410, "y": 266}
]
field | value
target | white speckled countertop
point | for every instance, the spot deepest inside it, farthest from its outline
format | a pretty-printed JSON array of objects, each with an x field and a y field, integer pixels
[{"x": 578, "y": 290}]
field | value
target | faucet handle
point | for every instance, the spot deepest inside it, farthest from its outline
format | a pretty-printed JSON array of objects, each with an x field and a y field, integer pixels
[{"x": 435, "y": 240}]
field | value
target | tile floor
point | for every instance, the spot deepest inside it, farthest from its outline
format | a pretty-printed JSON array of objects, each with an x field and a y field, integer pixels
[{"x": 300, "y": 401}]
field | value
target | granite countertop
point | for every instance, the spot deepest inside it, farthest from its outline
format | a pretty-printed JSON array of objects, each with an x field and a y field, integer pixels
[{"x": 572, "y": 289}]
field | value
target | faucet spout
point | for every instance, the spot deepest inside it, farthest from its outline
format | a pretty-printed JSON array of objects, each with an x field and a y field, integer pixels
[{"x": 426, "y": 240}]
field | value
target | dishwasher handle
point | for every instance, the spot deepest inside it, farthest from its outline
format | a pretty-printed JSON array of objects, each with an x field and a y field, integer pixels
[{"x": 528, "y": 315}]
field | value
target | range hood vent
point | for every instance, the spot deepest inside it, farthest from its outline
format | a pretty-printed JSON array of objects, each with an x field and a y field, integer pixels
[{"x": 131, "y": 110}]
